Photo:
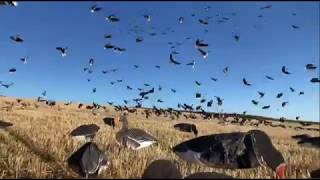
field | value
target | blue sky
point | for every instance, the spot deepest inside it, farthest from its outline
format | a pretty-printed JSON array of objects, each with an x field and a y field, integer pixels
[{"x": 266, "y": 44}]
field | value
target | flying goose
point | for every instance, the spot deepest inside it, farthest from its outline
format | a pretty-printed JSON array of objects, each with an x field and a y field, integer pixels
[
  {"x": 6, "y": 85},
  {"x": 310, "y": 67},
  {"x": 88, "y": 160},
  {"x": 284, "y": 70},
  {"x": 17, "y": 38},
  {"x": 62, "y": 50},
  {"x": 24, "y": 60},
  {"x": 261, "y": 94},
  {"x": 95, "y": 8},
  {"x": 237, "y": 150},
  {"x": 245, "y": 82},
  {"x": 270, "y": 78},
  {"x": 9, "y": 3},
  {"x": 236, "y": 37},
  {"x": 112, "y": 18},
  {"x": 133, "y": 138},
  {"x": 85, "y": 132},
  {"x": 12, "y": 70},
  {"x": 173, "y": 61},
  {"x": 186, "y": 127},
  {"x": 180, "y": 20},
  {"x": 315, "y": 80}
]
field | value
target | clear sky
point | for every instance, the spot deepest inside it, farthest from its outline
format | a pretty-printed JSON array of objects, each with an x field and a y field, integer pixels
[{"x": 265, "y": 45}]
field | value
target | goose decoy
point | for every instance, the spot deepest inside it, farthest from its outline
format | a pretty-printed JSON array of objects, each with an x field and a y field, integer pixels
[
  {"x": 133, "y": 138},
  {"x": 208, "y": 175},
  {"x": 186, "y": 127},
  {"x": 62, "y": 50},
  {"x": 109, "y": 121},
  {"x": 88, "y": 161},
  {"x": 17, "y": 38},
  {"x": 4, "y": 125},
  {"x": 85, "y": 132},
  {"x": 307, "y": 141},
  {"x": 237, "y": 150},
  {"x": 95, "y": 8},
  {"x": 310, "y": 67},
  {"x": 315, "y": 174},
  {"x": 165, "y": 169},
  {"x": 161, "y": 169},
  {"x": 284, "y": 70}
]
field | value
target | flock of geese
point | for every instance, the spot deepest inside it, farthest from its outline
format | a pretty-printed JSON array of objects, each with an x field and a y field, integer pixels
[
  {"x": 200, "y": 45},
  {"x": 237, "y": 150}
]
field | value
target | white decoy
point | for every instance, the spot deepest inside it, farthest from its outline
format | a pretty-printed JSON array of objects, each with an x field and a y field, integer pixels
[
  {"x": 89, "y": 160},
  {"x": 133, "y": 138}
]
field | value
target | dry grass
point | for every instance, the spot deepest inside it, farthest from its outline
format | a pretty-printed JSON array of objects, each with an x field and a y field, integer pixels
[{"x": 38, "y": 144}]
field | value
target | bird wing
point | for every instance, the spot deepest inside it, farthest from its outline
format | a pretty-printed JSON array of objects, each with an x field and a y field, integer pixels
[{"x": 173, "y": 61}]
